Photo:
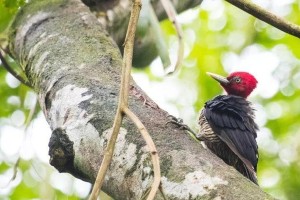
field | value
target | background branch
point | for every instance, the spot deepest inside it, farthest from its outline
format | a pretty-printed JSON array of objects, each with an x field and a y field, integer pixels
[
  {"x": 171, "y": 12},
  {"x": 116, "y": 18},
  {"x": 12, "y": 72},
  {"x": 266, "y": 16}
]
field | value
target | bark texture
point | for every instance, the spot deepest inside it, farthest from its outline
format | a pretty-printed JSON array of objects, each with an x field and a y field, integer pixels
[{"x": 74, "y": 66}]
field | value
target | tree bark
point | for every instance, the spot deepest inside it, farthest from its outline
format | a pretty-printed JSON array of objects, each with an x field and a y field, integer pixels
[{"x": 74, "y": 66}]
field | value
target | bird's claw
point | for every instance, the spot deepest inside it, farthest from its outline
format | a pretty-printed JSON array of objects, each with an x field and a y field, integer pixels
[
  {"x": 200, "y": 137},
  {"x": 179, "y": 123},
  {"x": 175, "y": 120}
]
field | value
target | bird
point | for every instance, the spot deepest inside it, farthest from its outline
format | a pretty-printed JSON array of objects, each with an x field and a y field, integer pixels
[{"x": 227, "y": 126}]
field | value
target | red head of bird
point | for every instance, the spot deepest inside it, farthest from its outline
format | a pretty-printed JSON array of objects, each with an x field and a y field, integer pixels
[{"x": 237, "y": 83}]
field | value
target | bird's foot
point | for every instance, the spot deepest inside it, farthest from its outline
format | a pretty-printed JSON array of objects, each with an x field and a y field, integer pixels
[
  {"x": 180, "y": 124},
  {"x": 200, "y": 137}
]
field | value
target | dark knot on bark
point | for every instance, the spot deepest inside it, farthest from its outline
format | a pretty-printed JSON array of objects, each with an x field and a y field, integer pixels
[{"x": 61, "y": 150}]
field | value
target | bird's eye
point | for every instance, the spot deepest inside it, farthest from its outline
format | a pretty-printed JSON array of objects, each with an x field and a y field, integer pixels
[{"x": 238, "y": 80}]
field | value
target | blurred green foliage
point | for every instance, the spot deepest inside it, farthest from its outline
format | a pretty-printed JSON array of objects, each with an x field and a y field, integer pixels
[
  {"x": 220, "y": 35},
  {"x": 217, "y": 36},
  {"x": 8, "y": 9}
]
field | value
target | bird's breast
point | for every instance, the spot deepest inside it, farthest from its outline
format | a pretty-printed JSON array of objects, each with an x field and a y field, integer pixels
[{"x": 205, "y": 131}]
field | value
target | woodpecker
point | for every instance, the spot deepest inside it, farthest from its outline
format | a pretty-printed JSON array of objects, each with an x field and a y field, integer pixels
[{"x": 227, "y": 124}]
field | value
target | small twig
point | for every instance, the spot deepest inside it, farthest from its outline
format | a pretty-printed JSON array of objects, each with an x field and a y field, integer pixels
[
  {"x": 107, "y": 156},
  {"x": 123, "y": 98},
  {"x": 267, "y": 16},
  {"x": 152, "y": 149},
  {"x": 12, "y": 72},
  {"x": 27, "y": 122},
  {"x": 15, "y": 172},
  {"x": 123, "y": 108},
  {"x": 162, "y": 192},
  {"x": 31, "y": 113},
  {"x": 171, "y": 12}
]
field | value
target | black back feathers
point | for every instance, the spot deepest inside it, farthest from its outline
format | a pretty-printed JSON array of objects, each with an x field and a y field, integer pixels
[{"x": 231, "y": 119}]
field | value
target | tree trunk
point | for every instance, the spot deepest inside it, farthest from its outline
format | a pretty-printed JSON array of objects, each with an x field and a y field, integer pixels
[{"x": 74, "y": 66}]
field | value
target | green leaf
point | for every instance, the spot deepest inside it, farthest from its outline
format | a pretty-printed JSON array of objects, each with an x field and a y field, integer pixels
[{"x": 8, "y": 9}]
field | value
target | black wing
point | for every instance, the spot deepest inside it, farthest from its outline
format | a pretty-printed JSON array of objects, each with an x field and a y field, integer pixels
[{"x": 231, "y": 118}]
